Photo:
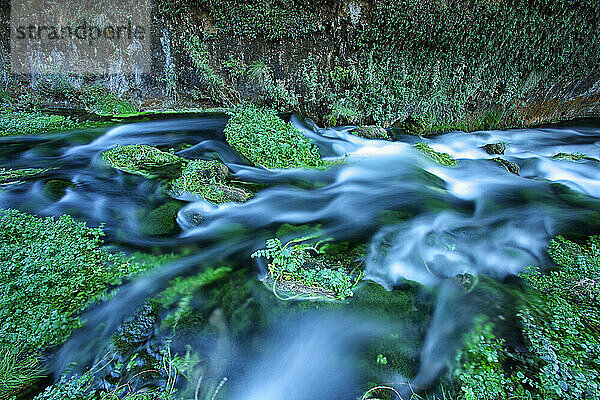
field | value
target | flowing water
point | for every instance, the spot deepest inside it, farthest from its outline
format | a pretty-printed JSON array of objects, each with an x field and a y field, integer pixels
[{"x": 424, "y": 223}]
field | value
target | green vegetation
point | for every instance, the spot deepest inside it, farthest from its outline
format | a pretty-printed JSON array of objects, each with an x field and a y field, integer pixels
[
  {"x": 510, "y": 166},
  {"x": 440, "y": 158},
  {"x": 141, "y": 159},
  {"x": 50, "y": 270},
  {"x": 293, "y": 268},
  {"x": 99, "y": 100},
  {"x": 266, "y": 140},
  {"x": 12, "y": 175},
  {"x": 572, "y": 157},
  {"x": 562, "y": 360},
  {"x": 35, "y": 122},
  {"x": 209, "y": 179}
]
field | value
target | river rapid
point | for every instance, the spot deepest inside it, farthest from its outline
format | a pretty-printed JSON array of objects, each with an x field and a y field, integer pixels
[{"x": 424, "y": 224}]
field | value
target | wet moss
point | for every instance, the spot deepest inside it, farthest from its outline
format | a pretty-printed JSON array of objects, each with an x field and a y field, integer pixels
[
  {"x": 572, "y": 157},
  {"x": 441, "y": 158},
  {"x": 11, "y": 176},
  {"x": 142, "y": 160},
  {"x": 161, "y": 220},
  {"x": 210, "y": 179}
]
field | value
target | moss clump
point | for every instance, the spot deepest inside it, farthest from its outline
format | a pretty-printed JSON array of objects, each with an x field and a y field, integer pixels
[
  {"x": 209, "y": 179},
  {"x": 50, "y": 270},
  {"x": 371, "y": 132},
  {"x": 161, "y": 220},
  {"x": 572, "y": 157},
  {"x": 15, "y": 122},
  {"x": 12, "y": 175},
  {"x": 510, "y": 166},
  {"x": 440, "y": 158},
  {"x": 305, "y": 270},
  {"x": 141, "y": 159},
  {"x": 561, "y": 349},
  {"x": 266, "y": 140}
]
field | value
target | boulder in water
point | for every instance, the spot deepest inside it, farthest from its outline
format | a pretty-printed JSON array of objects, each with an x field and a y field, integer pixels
[
  {"x": 495, "y": 148},
  {"x": 371, "y": 132},
  {"x": 508, "y": 165}
]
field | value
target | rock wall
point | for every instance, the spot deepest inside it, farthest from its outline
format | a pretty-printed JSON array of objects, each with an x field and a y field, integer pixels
[{"x": 425, "y": 65}]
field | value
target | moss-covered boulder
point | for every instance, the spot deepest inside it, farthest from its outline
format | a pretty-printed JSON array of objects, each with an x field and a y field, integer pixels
[
  {"x": 510, "y": 166},
  {"x": 266, "y": 140},
  {"x": 371, "y": 132},
  {"x": 210, "y": 180},
  {"x": 143, "y": 160},
  {"x": 55, "y": 189},
  {"x": 161, "y": 220},
  {"x": 495, "y": 148}
]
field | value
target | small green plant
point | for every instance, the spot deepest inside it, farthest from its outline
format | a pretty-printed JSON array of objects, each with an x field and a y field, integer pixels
[
  {"x": 266, "y": 140},
  {"x": 381, "y": 359},
  {"x": 295, "y": 270},
  {"x": 140, "y": 159},
  {"x": 440, "y": 158}
]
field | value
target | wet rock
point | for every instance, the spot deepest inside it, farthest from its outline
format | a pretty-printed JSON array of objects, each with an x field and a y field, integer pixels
[
  {"x": 495, "y": 148},
  {"x": 508, "y": 165},
  {"x": 234, "y": 194},
  {"x": 371, "y": 132}
]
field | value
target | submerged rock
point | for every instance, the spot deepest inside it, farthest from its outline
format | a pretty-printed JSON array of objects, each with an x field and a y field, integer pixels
[
  {"x": 508, "y": 165},
  {"x": 55, "y": 189},
  {"x": 495, "y": 148}
]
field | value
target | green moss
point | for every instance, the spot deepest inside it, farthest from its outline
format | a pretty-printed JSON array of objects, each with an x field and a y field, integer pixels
[
  {"x": 562, "y": 348},
  {"x": 50, "y": 270},
  {"x": 12, "y": 175},
  {"x": 141, "y": 159},
  {"x": 101, "y": 101},
  {"x": 572, "y": 157},
  {"x": 34, "y": 122},
  {"x": 266, "y": 140},
  {"x": 440, "y": 158},
  {"x": 210, "y": 180},
  {"x": 161, "y": 220}
]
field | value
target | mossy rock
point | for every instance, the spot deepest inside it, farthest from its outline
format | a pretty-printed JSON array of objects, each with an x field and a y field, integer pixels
[
  {"x": 572, "y": 157},
  {"x": 510, "y": 166},
  {"x": 9, "y": 175},
  {"x": 495, "y": 148},
  {"x": 161, "y": 220},
  {"x": 440, "y": 158},
  {"x": 371, "y": 132},
  {"x": 210, "y": 180},
  {"x": 143, "y": 160},
  {"x": 55, "y": 189}
]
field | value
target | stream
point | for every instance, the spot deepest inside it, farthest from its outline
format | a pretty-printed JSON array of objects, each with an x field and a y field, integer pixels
[{"x": 423, "y": 223}]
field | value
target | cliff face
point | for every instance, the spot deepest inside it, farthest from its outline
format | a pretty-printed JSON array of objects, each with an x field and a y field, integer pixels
[{"x": 436, "y": 64}]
